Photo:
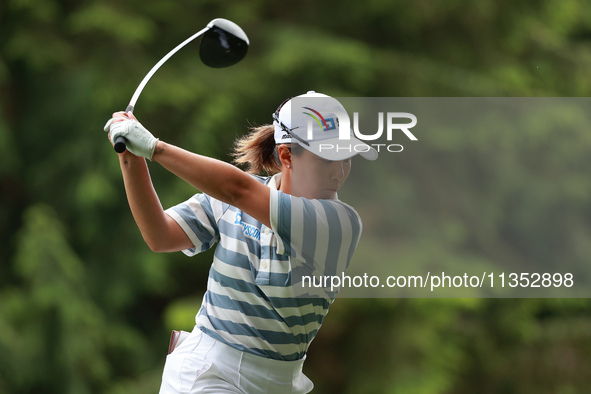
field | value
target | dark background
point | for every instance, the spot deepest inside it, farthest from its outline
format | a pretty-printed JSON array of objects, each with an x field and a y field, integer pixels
[{"x": 85, "y": 307}]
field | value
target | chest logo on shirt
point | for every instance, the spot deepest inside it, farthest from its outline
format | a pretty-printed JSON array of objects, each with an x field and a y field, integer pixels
[{"x": 247, "y": 229}]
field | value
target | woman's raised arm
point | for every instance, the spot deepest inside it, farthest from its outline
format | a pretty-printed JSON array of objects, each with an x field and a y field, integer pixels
[{"x": 218, "y": 179}]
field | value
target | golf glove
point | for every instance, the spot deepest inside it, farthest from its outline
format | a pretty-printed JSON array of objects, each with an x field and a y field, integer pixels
[{"x": 140, "y": 141}]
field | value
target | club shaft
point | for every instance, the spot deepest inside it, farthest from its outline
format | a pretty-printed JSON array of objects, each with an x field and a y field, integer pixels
[
  {"x": 141, "y": 86},
  {"x": 121, "y": 142}
]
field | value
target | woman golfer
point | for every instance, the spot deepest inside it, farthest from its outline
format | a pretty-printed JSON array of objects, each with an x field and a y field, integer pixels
[{"x": 256, "y": 320}]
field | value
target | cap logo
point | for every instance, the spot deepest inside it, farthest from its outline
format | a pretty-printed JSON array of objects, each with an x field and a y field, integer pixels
[{"x": 325, "y": 124}]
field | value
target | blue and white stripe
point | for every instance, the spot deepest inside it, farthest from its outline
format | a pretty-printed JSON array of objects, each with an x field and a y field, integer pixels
[{"x": 250, "y": 302}]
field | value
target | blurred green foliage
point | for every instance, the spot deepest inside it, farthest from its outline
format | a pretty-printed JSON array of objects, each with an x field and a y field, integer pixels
[{"x": 85, "y": 307}]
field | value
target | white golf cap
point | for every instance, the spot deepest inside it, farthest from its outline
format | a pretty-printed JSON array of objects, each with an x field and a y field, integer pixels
[{"x": 312, "y": 120}]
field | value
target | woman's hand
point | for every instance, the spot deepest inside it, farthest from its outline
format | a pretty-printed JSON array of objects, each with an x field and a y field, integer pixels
[
  {"x": 140, "y": 141},
  {"x": 117, "y": 117}
]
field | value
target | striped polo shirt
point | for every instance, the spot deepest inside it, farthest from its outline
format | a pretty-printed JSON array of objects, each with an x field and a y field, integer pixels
[{"x": 251, "y": 302}]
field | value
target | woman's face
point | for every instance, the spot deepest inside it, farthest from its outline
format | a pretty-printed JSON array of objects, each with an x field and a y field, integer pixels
[{"x": 315, "y": 177}]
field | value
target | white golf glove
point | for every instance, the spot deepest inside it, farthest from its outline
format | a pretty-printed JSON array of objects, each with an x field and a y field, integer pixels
[{"x": 140, "y": 141}]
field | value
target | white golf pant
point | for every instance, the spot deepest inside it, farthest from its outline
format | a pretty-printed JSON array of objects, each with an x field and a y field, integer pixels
[{"x": 202, "y": 364}]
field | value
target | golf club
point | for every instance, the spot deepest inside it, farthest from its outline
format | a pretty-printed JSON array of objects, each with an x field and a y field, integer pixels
[{"x": 224, "y": 44}]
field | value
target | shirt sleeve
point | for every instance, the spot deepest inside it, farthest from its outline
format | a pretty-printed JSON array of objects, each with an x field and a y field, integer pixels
[
  {"x": 198, "y": 217},
  {"x": 320, "y": 235}
]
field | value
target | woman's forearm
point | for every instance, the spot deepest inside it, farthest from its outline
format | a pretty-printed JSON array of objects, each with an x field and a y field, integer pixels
[{"x": 157, "y": 228}]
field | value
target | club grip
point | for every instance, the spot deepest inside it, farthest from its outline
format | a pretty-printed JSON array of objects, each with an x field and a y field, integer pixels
[{"x": 120, "y": 144}]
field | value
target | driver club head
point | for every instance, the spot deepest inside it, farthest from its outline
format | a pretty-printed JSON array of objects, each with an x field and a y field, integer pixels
[{"x": 223, "y": 44}]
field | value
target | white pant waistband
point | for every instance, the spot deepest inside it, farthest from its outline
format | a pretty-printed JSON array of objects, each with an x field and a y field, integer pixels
[{"x": 275, "y": 369}]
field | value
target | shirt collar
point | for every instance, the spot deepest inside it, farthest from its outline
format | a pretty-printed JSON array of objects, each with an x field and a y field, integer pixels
[{"x": 275, "y": 183}]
